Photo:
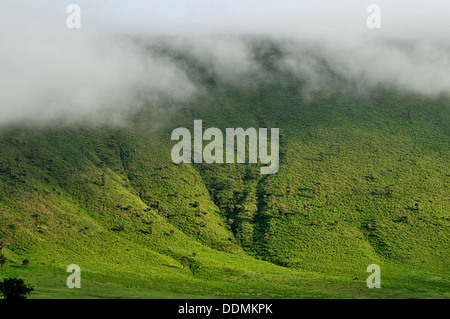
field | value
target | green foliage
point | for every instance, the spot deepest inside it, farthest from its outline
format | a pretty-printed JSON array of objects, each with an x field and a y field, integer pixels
[
  {"x": 15, "y": 289},
  {"x": 3, "y": 261},
  {"x": 359, "y": 183}
]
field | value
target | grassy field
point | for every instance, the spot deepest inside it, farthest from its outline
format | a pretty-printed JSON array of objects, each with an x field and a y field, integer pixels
[{"x": 363, "y": 180}]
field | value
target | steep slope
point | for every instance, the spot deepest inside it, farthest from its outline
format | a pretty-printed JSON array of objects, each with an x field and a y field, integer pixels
[{"x": 363, "y": 179}]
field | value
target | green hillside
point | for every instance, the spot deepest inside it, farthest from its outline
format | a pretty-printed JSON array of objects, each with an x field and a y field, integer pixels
[{"x": 363, "y": 180}]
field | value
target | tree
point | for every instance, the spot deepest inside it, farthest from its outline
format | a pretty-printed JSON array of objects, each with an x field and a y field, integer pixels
[
  {"x": 289, "y": 191},
  {"x": 322, "y": 156},
  {"x": 184, "y": 262},
  {"x": 15, "y": 289},
  {"x": 388, "y": 190},
  {"x": 404, "y": 219},
  {"x": 408, "y": 114},
  {"x": 272, "y": 201},
  {"x": 318, "y": 188},
  {"x": 306, "y": 207},
  {"x": 282, "y": 209},
  {"x": 328, "y": 200},
  {"x": 3, "y": 260}
]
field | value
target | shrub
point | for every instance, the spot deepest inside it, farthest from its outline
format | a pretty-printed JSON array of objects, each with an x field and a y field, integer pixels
[
  {"x": 15, "y": 289},
  {"x": 404, "y": 219},
  {"x": 184, "y": 261},
  {"x": 282, "y": 209},
  {"x": 389, "y": 190},
  {"x": 3, "y": 260},
  {"x": 306, "y": 207},
  {"x": 417, "y": 206}
]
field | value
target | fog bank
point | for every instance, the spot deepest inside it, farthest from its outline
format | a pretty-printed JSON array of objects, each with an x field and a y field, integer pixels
[{"x": 101, "y": 73}]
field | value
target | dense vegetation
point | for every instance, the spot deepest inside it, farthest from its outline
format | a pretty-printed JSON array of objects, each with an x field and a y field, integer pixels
[{"x": 363, "y": 180}]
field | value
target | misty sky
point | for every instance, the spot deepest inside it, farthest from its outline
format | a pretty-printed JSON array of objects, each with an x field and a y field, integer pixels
[
  {"x": 408, "y": 18},
  {"x": 48, "y": 72}
]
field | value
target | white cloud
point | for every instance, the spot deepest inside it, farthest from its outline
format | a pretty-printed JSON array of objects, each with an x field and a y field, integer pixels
[{"x": 49, "y": 72}]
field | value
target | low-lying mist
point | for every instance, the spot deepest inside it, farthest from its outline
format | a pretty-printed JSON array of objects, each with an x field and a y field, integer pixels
[{"x": 102, "y": 73}]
